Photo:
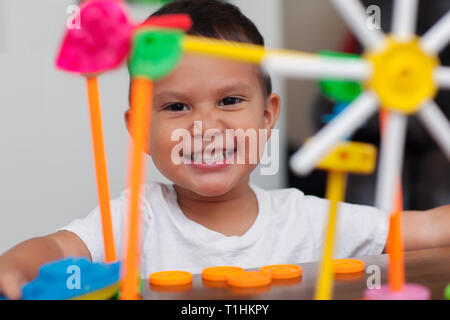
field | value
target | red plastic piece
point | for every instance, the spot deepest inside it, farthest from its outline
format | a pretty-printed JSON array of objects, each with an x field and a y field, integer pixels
[
  {"x": 174, "y": 21},
  {"x": 103, "y": 41}
]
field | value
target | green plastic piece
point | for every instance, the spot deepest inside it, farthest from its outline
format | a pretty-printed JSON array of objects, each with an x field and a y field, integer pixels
[
  {"x": 447, "y": 293},
  {"x": 340, "y": 91},
  {"x": 155, "y": 53}
]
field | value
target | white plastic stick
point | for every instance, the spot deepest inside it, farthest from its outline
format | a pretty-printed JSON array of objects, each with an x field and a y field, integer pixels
[
  {"x": 304, "y": 160},
  {"x": 437, "y": 125},
  {"x": 391, "y": 160},
  {"x": 354, "y": 14},
  {"x": 442, "y": 77},
  {"x": 435, "y": 39},
  {"x": 313, "y": 67},
  {"x": 404, "y": 19}
]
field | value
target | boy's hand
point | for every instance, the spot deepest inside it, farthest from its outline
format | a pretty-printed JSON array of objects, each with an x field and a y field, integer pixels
[
  {"x": 21, "y": 264},
  {"x": 11, "y": 282}
]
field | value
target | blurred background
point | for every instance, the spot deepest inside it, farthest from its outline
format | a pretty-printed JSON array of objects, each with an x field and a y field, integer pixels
[{"x": 47, "y": 173}]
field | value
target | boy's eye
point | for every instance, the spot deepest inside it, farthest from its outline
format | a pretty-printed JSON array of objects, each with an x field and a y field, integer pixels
[
  {"x": 176, "y": 107},
  {"x": 230, "y": 101}
]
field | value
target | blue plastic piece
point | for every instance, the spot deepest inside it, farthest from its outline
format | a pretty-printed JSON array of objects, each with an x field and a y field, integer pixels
[
  {"x": 70, "y": 278},
  {"x": 337, "y": 109}
]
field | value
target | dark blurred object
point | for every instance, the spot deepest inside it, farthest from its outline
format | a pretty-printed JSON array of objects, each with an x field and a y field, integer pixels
[{"x": 426, "y": 171}]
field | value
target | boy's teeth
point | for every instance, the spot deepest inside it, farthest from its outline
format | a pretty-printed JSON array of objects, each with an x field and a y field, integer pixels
[
  {"x": 212, "y": 158},
  {"x": 229, "y": 153}
]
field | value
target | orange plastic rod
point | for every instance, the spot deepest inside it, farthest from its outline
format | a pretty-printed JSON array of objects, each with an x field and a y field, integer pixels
[
  {"x": 396, "y": 271},
  {"x": 141, "y": 100},
  {"x": 100, "y": 168}
]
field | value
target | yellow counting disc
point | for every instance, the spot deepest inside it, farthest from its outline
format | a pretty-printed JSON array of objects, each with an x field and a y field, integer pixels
[
  {"x": 348, "y": 266},
  {"x": 283, "y": 271},
  {"x": 219, "y": 273},
  {"x": 170, "y": 278},
  {"x": 249, "y": 279}
]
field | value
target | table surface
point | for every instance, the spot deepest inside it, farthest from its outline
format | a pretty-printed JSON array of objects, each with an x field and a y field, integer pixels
[{"x": 430, "y": 268}]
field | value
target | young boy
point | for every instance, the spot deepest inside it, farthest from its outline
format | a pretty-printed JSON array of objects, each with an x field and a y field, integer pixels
[{"x": 211, "y": 215}]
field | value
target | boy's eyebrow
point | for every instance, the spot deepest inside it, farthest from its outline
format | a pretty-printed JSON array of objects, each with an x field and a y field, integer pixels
[
  {"x": 238, "y": 86},
  {"x": 170, "y": 94}
]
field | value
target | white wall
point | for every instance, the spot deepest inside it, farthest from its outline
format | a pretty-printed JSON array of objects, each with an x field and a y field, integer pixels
[{"x": 46, "y": 169}]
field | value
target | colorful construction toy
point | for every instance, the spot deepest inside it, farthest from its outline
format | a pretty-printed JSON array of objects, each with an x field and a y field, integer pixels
[
  {"x": 345, "y": 266},
  {"x": 155, "y": 53},
  {"x": 349, "y": 157},
  {"x": 74, "y": 279},
  {"x": 170, "y": 278},
  {"x": 101, "y": 44},
  {"x": 400, "y": 72},
  {"x": 340, "y": 91},
  {"x": 249, "y": 279},
  {"x": 219, "y": 273},
  {"x": 283, "y": 271}
]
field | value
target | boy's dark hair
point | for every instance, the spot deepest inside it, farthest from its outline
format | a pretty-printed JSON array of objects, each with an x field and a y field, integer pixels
[{"x": 217, "y": 19}]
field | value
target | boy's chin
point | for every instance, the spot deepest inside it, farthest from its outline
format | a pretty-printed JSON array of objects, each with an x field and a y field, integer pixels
[{"x": 212, "y": 188}]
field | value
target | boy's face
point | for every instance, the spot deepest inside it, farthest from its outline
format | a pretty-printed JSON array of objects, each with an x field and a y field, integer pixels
[{"x": 217, "y": 94}]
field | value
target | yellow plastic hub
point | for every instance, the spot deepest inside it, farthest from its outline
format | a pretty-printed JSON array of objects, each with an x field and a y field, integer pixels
[
  {"x": 403, "y": 75},
  {"x": 351, "y": 157}
]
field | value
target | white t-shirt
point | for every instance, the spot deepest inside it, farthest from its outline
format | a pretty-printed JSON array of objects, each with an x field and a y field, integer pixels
[{"x": 289, "y": 228}]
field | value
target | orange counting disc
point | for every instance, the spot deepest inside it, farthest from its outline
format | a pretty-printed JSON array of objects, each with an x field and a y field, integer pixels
[
  {"x": 249, "y": 279},
  {"x": 348, "y": 265},
  {"x": 283, "y": 271},
  {"x": 170, "y": 278},
  {"x": 219, "y": 273}
]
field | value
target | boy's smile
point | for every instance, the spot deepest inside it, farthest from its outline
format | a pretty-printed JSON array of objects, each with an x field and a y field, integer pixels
[{"x": 206, "y": 97}]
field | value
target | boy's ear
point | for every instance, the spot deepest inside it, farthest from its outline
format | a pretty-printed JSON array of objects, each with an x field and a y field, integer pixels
[
  {"x": 271, "y": 111},
  {"x": 127, "y": 117}
]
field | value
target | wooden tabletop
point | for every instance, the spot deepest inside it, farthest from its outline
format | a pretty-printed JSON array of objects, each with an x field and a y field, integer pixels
[{"x": 430, "y": 268}]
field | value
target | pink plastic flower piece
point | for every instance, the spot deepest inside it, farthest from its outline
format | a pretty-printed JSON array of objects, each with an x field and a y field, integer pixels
[{"x": 102, "y": 42}]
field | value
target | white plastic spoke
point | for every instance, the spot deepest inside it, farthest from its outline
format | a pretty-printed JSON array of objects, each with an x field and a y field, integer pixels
[
  {"x": 442, "y": 77},
  {"x": 437, "y": 125},
  {"x": 354, "y": 14},
  {"x": 304, "y": 160},
  {"x": 313, "y": 67},
  {"x": 435, "y": 39},
  {"x": 391, "y": 160},
  {"x": 404, "y": 19}
]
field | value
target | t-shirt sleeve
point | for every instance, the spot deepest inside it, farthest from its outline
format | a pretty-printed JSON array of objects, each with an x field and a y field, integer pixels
[
  {"x": 361, "y": 230},
  {"x": 89, "y": 230}
]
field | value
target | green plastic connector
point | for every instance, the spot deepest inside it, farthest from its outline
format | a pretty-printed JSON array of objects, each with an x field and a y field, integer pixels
[
  {"x": 155, "y": 52},
  {"x": 340, "y": 91},
  {"x": 447, "y": 293}
]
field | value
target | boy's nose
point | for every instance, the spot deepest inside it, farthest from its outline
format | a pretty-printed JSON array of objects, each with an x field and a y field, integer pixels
[{"x": 206, "y": 120}]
